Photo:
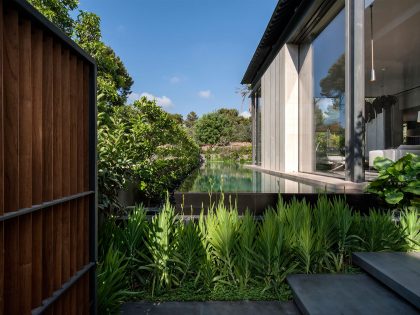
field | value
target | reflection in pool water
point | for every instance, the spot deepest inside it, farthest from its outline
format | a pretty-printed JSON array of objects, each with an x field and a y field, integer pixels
[{"x": 234, "y": 177}]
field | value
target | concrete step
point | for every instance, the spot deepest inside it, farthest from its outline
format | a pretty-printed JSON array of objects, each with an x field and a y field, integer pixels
[
  {"x": 210, "y": 308},
  {"x": 398, "y": 271},
  {"x": 345, "y": 294}
]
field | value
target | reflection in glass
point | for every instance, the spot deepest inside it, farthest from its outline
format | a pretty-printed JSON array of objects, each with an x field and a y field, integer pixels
[
  {"x": 392, "y": 100},
  {"x": 329, "y": 98}
]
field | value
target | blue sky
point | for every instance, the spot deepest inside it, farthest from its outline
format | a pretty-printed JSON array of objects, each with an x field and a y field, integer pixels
[{"x": 189, "y": 54}]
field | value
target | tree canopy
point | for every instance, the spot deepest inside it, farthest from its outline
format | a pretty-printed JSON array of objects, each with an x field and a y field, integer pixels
[
  {"x": 222, "y": 127},
  {"x": 114, "y": 81}
]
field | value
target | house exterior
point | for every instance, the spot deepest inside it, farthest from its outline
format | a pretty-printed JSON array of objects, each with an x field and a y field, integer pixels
[{"x": 334, "y": 84}]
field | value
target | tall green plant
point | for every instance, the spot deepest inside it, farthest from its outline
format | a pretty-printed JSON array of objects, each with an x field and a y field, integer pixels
[
  {"x": 410, "y": 223},
  {"x": 379, "y": 232},
  {"x": 112, "y": 284},
  {"x": 164, "y": 261},
  {"x": 245, "y": 250},
  {"x": 272, "y": 261},
  {"x": 223, "y": 236}
]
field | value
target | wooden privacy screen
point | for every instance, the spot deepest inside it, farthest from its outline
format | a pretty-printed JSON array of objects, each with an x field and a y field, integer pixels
[{"x": 47, "y": 167}]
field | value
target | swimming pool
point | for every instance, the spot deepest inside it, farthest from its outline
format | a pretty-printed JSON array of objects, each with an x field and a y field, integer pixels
[{"x": 234, "y": 177}]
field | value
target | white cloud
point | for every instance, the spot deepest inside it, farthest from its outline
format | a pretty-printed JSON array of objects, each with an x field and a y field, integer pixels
[
  {"x": 204, "y": 94},
  {"x": 162, "y": 101},
  {"x": 175, "y": 80},
  {"x": 133, "y": 97},
  {"x": 245, "y": 114}
]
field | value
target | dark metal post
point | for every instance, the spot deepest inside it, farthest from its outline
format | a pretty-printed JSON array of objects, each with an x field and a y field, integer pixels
[{"x": 355, "y": 90}]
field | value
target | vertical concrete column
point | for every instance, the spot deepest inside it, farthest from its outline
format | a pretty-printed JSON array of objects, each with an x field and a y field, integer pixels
[
  {"x": 355, "y": 89},
  {"x": 289, "y": 109},
  {"x": 306, "y": 110}
]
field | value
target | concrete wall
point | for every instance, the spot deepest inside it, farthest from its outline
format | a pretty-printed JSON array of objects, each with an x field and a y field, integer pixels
[{"x": 280, "y": 112}]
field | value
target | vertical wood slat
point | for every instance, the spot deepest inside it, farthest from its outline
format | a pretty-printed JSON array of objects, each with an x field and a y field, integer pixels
[
  {"x": 57, "y": 167},
  {"x": 80, "y": 170},
  {"x": 85, "y": 165},
  {"x": 47, "y": 126},
  {"x": 37, "y": 174},
  {"x": 66, "y": 172},
  {"x": 73, "y": 173},
  {"x": 1, "y": 165},
  {"x": 11, "y": 172},
  {"x": 25, "y": 166}
]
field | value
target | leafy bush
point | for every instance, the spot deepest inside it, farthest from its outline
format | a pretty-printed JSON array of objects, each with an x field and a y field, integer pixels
[
  {"x": 143, "y": 144},
  {"x": 398, "y": 182},
  {"x": 222, "y": 127},
  {"x": 171, "y": 256}
]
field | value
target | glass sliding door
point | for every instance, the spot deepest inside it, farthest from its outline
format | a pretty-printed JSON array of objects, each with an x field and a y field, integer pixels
[
  {"x": 392, "y": 79},
  {"x": 328, "y": 61}
]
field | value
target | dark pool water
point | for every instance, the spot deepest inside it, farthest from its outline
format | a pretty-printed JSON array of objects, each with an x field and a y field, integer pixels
[{"x": 234, "y": 177}]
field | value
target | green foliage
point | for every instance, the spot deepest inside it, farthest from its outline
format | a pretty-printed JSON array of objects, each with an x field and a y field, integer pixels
[
  {"x": 58, "y": 12},
  {"x": 112, "y": 286},
  {"x": 410, "y": 222},
  {"x": 241, "y": 154},
  {"x": 114, "y": 82},
  {"x": 191, "y": 119},
  {"x": 222, "y": 127},
  {"x": 398, "y": 182},
  {"x": 165, "y": 263},
  {"x": 143, "y": 144},
  {"x": 224, "y": 255},
  {"x": 379, "y": 232}
]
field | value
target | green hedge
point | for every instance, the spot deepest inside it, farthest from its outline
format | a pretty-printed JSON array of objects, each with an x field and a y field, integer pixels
[{"x": 141, "y": 143}]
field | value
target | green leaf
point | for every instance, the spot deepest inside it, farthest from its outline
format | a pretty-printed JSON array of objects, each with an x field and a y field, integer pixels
[
  {"x": 381, "y": 163},
  {"x": 394, "y": 197}
]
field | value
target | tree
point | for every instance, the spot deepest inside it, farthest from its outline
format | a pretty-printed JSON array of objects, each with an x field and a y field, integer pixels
[
  {"x": 114, "y": 82},
  {"x": 191, "y": 119},
  {"x": 333, "y": 85},
  {"x": 222, "y": 127},
  {"x": 213, "y": 129},
  {"x": 58, "y": 12},
  {"x": 177, "y": 117}
]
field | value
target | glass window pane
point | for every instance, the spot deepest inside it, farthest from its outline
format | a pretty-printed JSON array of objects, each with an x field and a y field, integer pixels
[
  {"x": 392, "y": 79},
  {"x": 329, "y": 99}
]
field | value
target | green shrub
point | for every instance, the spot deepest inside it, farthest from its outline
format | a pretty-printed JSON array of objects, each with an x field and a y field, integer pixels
[
  {"x": 141, "y": 143},
  {"x": 112, "y": 284},
  {"x": 398, "y": 182},
  {"x": 168, "y": 257},
  {"x": 379, "y": 232}
]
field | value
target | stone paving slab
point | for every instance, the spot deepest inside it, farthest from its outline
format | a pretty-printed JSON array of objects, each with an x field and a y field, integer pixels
[
  {"x": 398, "y": 271},
  {"x": 326, "y": 294},
  {"x": 210, "y": 308}
]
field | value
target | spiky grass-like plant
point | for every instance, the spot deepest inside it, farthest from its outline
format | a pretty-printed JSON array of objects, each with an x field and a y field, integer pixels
[
  {"x": 164, "y": 262},
  {"x": 130, "y": 240},
  {"x": 245, "y": 250},
  {"x": 410, "y": 223},
  {"x": 222, "y": 234},
  {"x": 190, "y": 249},
  {"x": 378, "y": 232},
  {"x": 273, "y": 263},
  {"x": 112, "y": 285}
]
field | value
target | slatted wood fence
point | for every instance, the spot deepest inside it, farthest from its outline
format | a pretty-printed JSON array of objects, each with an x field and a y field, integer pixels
[{"x": 47, "y": 167}]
